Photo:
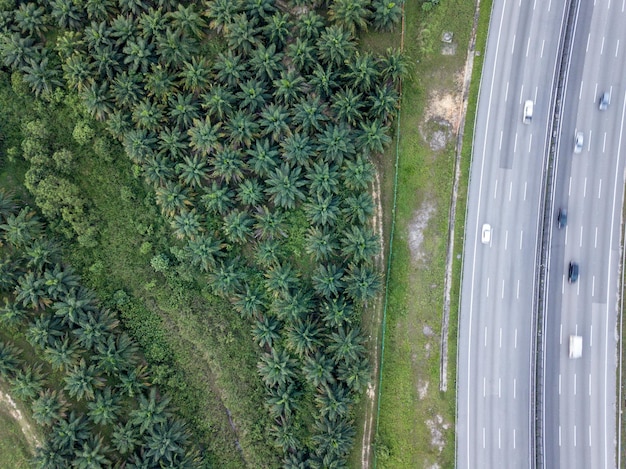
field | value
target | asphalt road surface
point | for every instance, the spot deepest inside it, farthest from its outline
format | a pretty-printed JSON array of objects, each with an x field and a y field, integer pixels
[
  {"x": 495, "y": 326},
  {"x": 580, "y": 393}
]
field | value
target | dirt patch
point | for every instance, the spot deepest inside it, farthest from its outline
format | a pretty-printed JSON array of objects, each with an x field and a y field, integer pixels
[
  {"x": 437, "y": 427},
  {"x": 11, "y": 407},
  {"x": 416, "y": 230},
  {"x": 422, "y": 389}
]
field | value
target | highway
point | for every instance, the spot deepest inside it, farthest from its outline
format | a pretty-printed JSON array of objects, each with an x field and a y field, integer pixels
[
  {"x": 496, "y": 328},
  {"x": 580, "y": 393}
]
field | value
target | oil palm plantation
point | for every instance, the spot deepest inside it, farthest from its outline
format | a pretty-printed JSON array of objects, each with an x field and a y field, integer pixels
[
  {"x": 82, "y": 381},
  {"x": 49, "y": 407},
  {"x": 277, "y": 368}
]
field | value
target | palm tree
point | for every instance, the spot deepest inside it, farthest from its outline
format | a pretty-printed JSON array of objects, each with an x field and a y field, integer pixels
[
  {"x": 188, "y": 20},
  {"x": 31, "y": 291},
  {"x": 192, "y": 171},
  {"x": 277, "y": 29},
  {"x": 358, "y": 208},
  {"x": 218, "y": 198},
  {"x": 284, "y": 433},
  {"x": 78, "y": 72},
  {"x": 186, "y": 224},
  {"x": 346, "y": 345},
  {"x": 259, "y": 8},
  {"x": 104, "y": 409},
  {"x": 263, "y": 157},
  {"x": 267, "y": 62},
  {"x": 230, "y": 69},
  {"x": 59, "y": 281},
  {"x": 152, "y": 22},
  {"x": 16, "y": 50},
  {"x": 97, "y": 100},
  {"x": 218, "y": 102},
  {"x": 394, "y": 66},
  {"x": 8, "y": 206},
  {"x": 353, "y": 15},
  {"x": 251, "y": 302},
  {"x": 183, "y": 109},
  {"x": 136, "y": 7},
  {"x": 63, "y": 355},
  {"x": 242, "y": 128},
  {"x": 44, "y": 331},
  {"x": 125, "y": 438},
  {"x": 362, "y": 72},
  {"x": 310, "y": 114},
  {"x": 172, "y": 142},
  {"x": 27, "y": 382},
  {"x": 238, "y": 226},
  {"x": 98, "y": 34},
  {"x": 228, "y": 165},
  {"x": 281, "y": 278},
  {"x": 347, "y": 106},
  {"x": 359, "y": 244},
  {"x": 283, "y": 186},
  {"x": 67, "y": 14},
  {"x": 148, "y": 115},
  {"x": 356, "y": 375},
  {"x": 173, "y": 48},
  {"x": 266, "y": 331},
  {"x": 275, "y": 122},
  {"x": 373, "y": 137},
  {"x": 98, "y": 10},
  {"x": 117, "y": 353},
  {"x": 31, "y": 19},
  {"x": 150, "y": 411},
  {"x": 277, "y": 368},
  {"x": 49, "y": 407},
  {"x": 204, "y": 137},
  {"x": 127, "y": 89},
  {"x": 226, "y": 278},
  {"x": 242, "y": 33},
  {"x": 119, "y": 124},
  {"x": 172, "y": 198},
  {"x": 301, "y": 54},
  {"x": 253, "y": 95},
  {"x": 304, "y": 337},
  {"x": 78, "y": 302},
  {"x": 92, "y": 454},
  {"x": 382, "y": 104},
  {"x": 337, "y": 312},
  {"x": 292, "y": 305},
  {"x": 324, "y": 80},
  {"x": 318, "y": 370},
  {"x": 310, "y": 24},
  {"x": 107, "y": 63},
  {"x": 166, "y": 441},
  {"x": 283, "y": 401},
  {"x": 196, "y": 75},
  {"x": 82, "y": 381},
  {"x": 288, "y": 87},
  {"x": 202, "y": 251},
  {"x": 70, "y": 43},
  {"x": 336, "y": 142},
  {"x": 327, "y": 280},
  {"x": 387, "y": 14},
  {"x": 159, "y": 83},
  {"x": 321, "y": 243},
  {"x": 11, "y": 314},
  {"x": 9, "y": 360},
  {"x": 268, "y": 252},
  {"x": 21, "y": 229},
  {"x": 94, "y": 329},
  {"x": 133, "y": 381},
  {"x": 250, "y": 193},
  {"x": 322, "y": 209},
  {"x": 324, "y": 178},
  {"x": 69, "y": 432},
  {"x": 333, "y": 437},
  {"x": 358, "y": 174},
  {"x": 269, "y": 224},
  {"x": 334, "y": 401},
  {"x": 335, "y": 43},
  {"x": 221, "y": 13}
]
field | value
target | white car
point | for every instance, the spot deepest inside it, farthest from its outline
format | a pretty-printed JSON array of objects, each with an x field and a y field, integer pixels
[
  {"x": 578, "y": 142},
  {"x": 486, "y": 235},
  {"x": 528, "y": 112}
]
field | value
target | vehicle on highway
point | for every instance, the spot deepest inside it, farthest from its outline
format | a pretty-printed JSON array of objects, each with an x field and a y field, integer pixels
[
  {"x": 528, "y": 111},
  {"x": 572, "y": 272},
  {"x": 562, "y": 218},
  {"x": 605, "y": 100},
  {"x": 486, "y": 234},
  {"x": 578, "y": 142},
  {"x": 575, "y": 346}
]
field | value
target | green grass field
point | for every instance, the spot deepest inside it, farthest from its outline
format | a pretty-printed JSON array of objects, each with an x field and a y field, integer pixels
[
  {"x": 15, "y": 448},
  {"x": 416, "y": 425}
]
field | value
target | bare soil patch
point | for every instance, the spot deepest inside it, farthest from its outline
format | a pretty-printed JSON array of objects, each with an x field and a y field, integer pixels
[{"x": 7, "y": 403}]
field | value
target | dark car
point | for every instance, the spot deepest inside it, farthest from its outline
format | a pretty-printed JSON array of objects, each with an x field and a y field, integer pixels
[
  {"x": 562, "y": 218},
  {"x": 572, "y": 272}
]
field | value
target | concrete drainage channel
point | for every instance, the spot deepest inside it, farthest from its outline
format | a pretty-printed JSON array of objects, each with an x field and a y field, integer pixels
[{"x": 544, "y": 235}]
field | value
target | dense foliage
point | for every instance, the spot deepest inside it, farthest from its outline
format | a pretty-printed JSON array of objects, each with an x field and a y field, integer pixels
[
  {"x": 259, "y": 156},
  {"x": 87, "y": 384}
]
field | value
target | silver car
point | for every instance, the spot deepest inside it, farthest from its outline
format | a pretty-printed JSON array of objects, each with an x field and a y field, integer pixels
[
  {"x": 605, "y": 100},
  {"x": 579, "y": 142}
]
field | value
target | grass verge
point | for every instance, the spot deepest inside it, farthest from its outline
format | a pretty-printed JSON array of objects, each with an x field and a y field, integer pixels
[{"x": 416, "y": 424}]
